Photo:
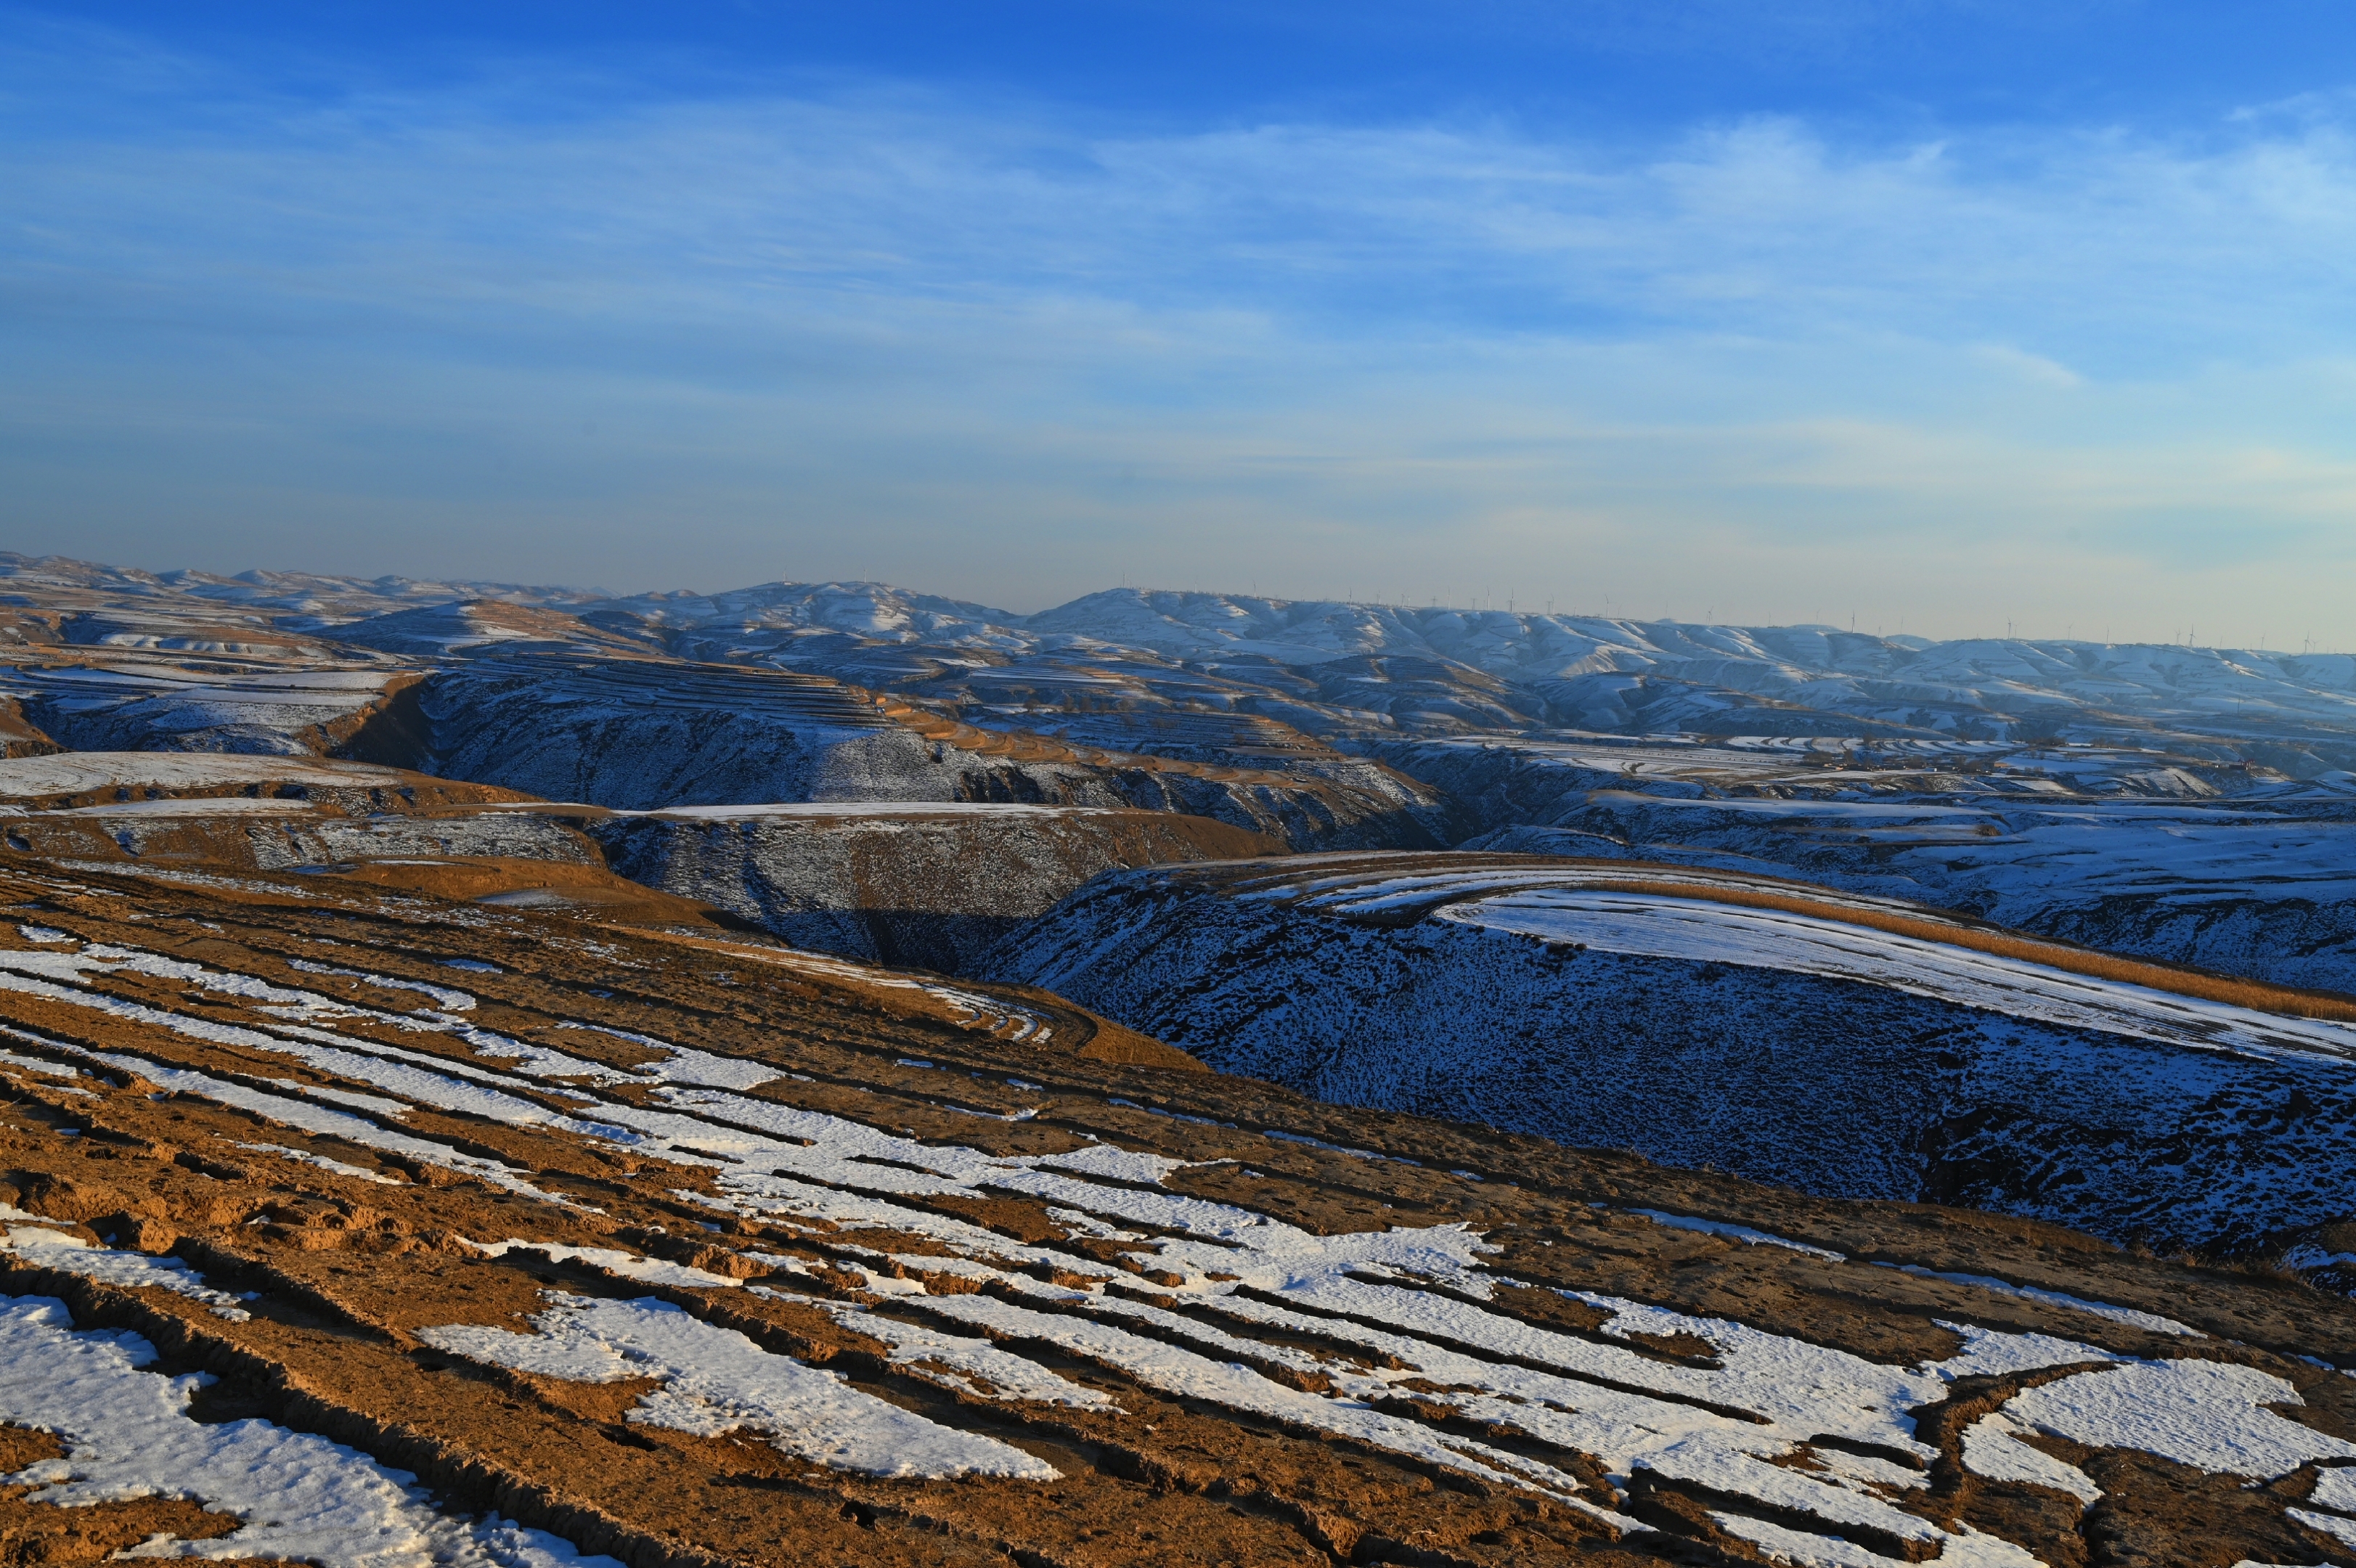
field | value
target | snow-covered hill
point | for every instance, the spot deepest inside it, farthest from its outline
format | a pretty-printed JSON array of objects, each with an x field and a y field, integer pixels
[
  {"x": 2172, "y": 858},
  {"x": 1855, "y": 1048},
  {"x": 1588, "y": 671}
]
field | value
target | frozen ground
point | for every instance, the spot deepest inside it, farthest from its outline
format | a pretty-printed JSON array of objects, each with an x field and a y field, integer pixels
[
  {"x": 153, "y": 702},
  {"x": 103, "y": 774}
]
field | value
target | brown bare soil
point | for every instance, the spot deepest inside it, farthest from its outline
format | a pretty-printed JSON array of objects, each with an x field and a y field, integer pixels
[
  {"x": 19, "y": 736},
  {"x": 552, "y": 885},
  {"x": 347, "y": 1273}
]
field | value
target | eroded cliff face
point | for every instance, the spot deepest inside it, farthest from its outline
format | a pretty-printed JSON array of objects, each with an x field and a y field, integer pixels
[
  {"x": 1856, "y": 1047},
  {"x": 933, "y": 887},
  {"x": 643, "y": 735}
]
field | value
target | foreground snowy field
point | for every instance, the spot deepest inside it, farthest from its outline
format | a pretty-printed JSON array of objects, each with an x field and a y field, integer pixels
[{"x": 355, "y": 1227}]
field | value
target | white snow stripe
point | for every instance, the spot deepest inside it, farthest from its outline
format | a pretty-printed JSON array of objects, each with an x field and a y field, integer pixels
[
  {"x": 1183, "y": 1374},
  {"x": 715, "y": 1380},
  {"x": 1658, "y": 926},
  {"x": 613, "y": 1259},
  {"x": 304, "y": 1116},
  {"x": 30, "y": 1237},
  {"x": 976, "y": 1366},
  {"x": 444, "y": 997},
  {"x": 1737, "y": 1234},
  {"x": 304, "y": 1157},
  {"x": 127, "y": 1434}
]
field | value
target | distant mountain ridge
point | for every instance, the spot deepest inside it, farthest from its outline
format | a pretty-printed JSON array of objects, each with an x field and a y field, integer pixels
[{"x": 1580, "y": 672}]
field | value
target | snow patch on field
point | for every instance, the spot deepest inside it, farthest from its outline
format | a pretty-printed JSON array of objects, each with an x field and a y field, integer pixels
[
  {"x": 1992, "y": 1448},
  {"x": 1236, "y": 1308},
  {"x": 310, "y": 1119},
  {"x": 127, "y": 1434},
  {"x": 974, "y": 1365},
  {"x": 448, "y": 1000},
  {"x": 31, "y": 1065},
  {"x": 1186, "y": 1375},
  {"x": 685, "y": 1064},
  {"x": 715, "y": 1382},
  {"x": 2208, "y": 1415},
  {"x": 31, "y": 1239},
  {"x": 2341, "y": 1529},
  {"x": 2336, "y": 1488}
]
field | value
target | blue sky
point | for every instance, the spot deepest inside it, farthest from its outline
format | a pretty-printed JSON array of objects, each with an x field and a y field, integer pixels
[{"x": 1946, "y": 315}]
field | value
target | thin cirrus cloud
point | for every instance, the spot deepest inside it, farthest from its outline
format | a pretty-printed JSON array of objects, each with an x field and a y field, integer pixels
[{"x": 552, "y": 325}]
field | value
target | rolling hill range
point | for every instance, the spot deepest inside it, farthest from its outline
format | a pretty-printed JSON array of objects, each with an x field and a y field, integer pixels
[
  {"x": 820, "y": 1073},
  {"x": 1325, "y": 666}
]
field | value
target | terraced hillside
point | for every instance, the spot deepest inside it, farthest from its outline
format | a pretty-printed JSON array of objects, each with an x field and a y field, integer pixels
[
  {"x": 1842, "y": 1043},
  {"x": 276, "y": 701},
  {"x": 270, "y": 812},
  {"x": 354, "y": 1227},
  {"x": 646, "y": 734},
  {"x": 934, "y": 885}
]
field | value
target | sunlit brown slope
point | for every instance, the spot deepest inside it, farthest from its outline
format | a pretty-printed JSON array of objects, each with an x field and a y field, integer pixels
[{"x": 408, "y": 1145}]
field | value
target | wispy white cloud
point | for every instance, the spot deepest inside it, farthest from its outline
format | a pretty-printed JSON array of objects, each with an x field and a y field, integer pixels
[{"x": 981, "y": 347}]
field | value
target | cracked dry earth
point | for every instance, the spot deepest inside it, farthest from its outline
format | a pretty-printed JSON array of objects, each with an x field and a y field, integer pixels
[{"x": 346, "y": 1225}]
